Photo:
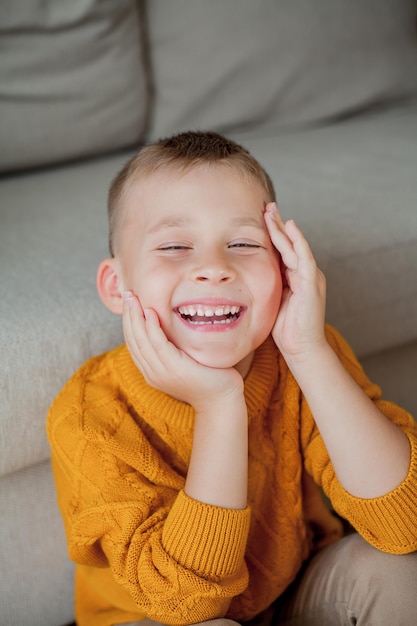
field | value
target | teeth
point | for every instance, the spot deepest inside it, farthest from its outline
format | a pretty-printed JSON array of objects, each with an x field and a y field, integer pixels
[
  {"x": 208, "y": 311},
  {"x": 228, "y": 320}
]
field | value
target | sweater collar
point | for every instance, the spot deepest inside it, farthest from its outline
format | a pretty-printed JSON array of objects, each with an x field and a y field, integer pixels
[{"x": 154, "y": 406}]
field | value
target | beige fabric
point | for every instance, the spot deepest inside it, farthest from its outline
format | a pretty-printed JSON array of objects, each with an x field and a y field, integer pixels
[
  {"x": 225, "y": 64},
  {"x": 395, "y": 370},
  {"x": 36, "y": 575},
  {"x": 53, "y": 234},
  {"x": 72, "y": 82},
  {"x": 352, "y": 583}
]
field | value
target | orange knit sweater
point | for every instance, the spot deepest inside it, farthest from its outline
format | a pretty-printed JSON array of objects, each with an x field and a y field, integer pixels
[{"x": 120, "y": 451}]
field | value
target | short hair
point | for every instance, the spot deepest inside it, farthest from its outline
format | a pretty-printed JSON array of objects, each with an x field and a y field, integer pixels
[{"x": 181, "y": 152}]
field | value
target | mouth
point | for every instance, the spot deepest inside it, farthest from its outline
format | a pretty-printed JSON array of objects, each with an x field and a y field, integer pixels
[{"x": 215, "y": 315}]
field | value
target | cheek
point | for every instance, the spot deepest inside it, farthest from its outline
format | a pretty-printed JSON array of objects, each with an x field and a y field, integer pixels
[
  {"x": 274, "y": 303},
  {"x": 151, "y": 283},
  {"x": 271, "y": 288},
  {"x": 154, "y": 289}
]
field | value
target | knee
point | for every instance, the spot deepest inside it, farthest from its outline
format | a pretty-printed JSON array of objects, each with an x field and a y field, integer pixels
[
  {"x": 379, "y": 566},
  {"x": 387, "y": 576},
  {"x": 221, "y": 621}
]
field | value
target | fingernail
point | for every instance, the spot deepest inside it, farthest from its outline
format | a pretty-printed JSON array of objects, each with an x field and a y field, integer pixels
[
  {"x": 271, "y": 212},
  {"x": 128, "y": 298}
]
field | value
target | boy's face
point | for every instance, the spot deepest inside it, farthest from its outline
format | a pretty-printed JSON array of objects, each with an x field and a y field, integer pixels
[{"x": 194, "y": 247}]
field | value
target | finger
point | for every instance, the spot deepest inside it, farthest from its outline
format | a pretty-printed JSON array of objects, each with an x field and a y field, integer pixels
[
  {"x": 290, "y": 229},
  {"x": 300, "y": 243},
  {"x": 132, "y": 312},
  {"x": 154, "y": 346},
  {"x": 306, "y": 263},
  {"x": 279, "y": 236},
  {"x": 167, "y": 353},
  {"x": 135, "y": 333},
  {"x": 272, "y": 208},
  {"x": 168, "y": 365},
  {"x": 155, "y": 333}
]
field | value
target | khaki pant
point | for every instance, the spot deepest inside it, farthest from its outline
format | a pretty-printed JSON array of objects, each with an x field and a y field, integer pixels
[{"x": 347, "y": 583}]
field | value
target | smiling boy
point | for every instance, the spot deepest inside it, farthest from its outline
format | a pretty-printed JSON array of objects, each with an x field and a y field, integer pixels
[
  {"x": 188, "y": 461},
  {"x": 195, "y": 252}
]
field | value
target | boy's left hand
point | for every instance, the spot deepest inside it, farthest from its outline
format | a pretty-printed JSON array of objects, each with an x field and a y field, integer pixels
[
  {"x": 369, "y": 453},
  {"x": 299, "y": 328}
]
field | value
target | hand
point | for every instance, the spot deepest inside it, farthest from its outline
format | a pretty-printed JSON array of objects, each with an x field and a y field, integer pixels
[
  {"x": 299, "y": 327},
  {"x": 168, "y": 368}
]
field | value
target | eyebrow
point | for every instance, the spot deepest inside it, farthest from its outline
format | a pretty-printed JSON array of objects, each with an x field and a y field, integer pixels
[
  {"x": 168, "y": 222},
  {"x": 248, "y": 221},
  {"x": 179, "y": 222}
]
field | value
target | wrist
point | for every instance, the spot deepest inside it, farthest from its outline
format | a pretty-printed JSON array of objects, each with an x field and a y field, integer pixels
[
  {"x": 217, "y": 472},
  {"x": 218, "y": 404},
  {"x": 310, "y": 357}
]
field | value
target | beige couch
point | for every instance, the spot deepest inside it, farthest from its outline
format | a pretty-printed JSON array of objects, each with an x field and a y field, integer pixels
[{"x": 325, "y": 95}]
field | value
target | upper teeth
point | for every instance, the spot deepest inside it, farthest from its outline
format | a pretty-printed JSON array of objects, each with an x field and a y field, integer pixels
[{"x": 208, "y": 311}]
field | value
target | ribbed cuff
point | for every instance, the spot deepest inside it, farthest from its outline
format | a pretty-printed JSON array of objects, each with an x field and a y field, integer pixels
[
  {"x": 206, "y": 539},
  {"x": 389, "y": 522}
]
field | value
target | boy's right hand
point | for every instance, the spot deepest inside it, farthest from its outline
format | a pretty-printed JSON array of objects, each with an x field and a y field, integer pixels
[
  {"x": 168, "y": 368},
  {"x": 217, "y": 472}
]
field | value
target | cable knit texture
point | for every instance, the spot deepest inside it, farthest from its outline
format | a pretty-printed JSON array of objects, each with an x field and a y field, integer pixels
[{"x": 120, "y": 452}]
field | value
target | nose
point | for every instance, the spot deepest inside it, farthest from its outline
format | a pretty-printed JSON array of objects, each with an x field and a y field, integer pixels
[{"x": 213, "y": 270}]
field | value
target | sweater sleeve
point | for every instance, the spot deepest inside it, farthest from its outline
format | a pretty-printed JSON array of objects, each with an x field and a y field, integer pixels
[
  {"x": 389, "y": 522},
  {"x": 178, "y": 560}
]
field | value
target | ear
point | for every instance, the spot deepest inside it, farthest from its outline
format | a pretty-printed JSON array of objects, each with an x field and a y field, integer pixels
[{"x": 109, "y": 285}]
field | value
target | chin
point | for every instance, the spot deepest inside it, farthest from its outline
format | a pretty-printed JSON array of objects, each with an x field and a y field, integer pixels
[{"x": 215, "y": 360}]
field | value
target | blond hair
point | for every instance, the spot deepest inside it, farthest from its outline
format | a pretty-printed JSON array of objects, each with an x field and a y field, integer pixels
[{"x": 181, "y": 152}]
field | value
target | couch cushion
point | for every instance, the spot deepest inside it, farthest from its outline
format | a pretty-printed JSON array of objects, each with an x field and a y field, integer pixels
[
  {"x": 225, "y": 64},
  {"x": 71, "y": 80},
  {"x": 395, "y": 370},
  {"x": 53, "y": 235},
  {"x": 36, "y": 575}
]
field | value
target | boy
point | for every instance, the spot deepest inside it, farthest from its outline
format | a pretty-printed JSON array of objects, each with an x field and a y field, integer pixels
[{"x": 187, "y": 461}]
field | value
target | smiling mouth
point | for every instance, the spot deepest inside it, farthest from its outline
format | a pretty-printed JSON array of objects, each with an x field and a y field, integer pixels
[{"x": 210, "y": 315}]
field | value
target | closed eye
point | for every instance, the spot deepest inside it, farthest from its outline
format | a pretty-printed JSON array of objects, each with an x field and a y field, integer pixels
[
  {"x": 244, "y": 244},
  {"x": 174, "y": 247}
]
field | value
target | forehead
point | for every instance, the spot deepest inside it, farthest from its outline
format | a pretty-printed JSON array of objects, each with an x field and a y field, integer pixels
[{"x": 180, "y": 195}]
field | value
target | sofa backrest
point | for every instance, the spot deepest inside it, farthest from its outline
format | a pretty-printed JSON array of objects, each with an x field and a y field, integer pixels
[
  {"x": 235, "y": 64},
  {"x": 72, "y": 80},
  {"x": 75, "y": 76}
]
